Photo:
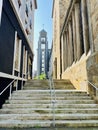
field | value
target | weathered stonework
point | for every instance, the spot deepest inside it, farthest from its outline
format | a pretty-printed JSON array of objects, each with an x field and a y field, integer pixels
[
  {"x": 76, "y": 42},
  {"x": 59, "y": 11}
]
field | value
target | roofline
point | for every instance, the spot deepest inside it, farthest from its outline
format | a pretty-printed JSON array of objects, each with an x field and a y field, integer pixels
[
  {"x": 35, "y": 2},
  {"x": 53, "y": 8}
]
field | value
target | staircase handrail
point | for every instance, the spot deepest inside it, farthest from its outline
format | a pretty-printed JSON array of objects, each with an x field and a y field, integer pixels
[
  {"x": 53, "y": 98},
  {"x": 96, "y": 89},
  {"x": 9, "y": 85},
  {"x": 92, "y": 85},
  {"x": 54, "y": 90}
]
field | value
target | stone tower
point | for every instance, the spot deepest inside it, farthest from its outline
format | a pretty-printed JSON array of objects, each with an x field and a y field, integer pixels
[{"x": 43, "y": 54}]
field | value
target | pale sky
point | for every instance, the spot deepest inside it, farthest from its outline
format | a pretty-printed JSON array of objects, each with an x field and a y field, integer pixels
[{"x": 43, "y": 15}]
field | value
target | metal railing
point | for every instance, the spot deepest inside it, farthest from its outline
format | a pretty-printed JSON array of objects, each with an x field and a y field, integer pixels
[
  {"x": 53, "y": 98},
  {"x": 10, "y": 86},
  {"x": 93, "y": 87}
]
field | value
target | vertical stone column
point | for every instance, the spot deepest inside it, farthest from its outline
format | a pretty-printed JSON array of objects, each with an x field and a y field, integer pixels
[
  {"x": 65, "y": 52},
  {"x": 74, "y": 35},
  {"x": 70, "y": 43},
  {"x": 78, "y": 35},
  {"x": 62, "y": 46},
  {"x": 90, "y": 26},
  {"x": 67, "y": 46},
  {"x": 85, "y": 26}
]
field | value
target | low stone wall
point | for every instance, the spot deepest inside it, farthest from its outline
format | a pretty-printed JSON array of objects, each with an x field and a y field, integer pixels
[
  {"x": 81, "y": 71},
  {"x": 77, "y": 73}
]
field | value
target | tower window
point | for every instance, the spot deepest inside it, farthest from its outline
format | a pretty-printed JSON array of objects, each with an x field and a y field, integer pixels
[{"x": 43, "y": 39}]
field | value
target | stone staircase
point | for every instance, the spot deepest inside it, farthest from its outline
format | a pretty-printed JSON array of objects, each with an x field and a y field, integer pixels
[{"x": 31, "y": 107}]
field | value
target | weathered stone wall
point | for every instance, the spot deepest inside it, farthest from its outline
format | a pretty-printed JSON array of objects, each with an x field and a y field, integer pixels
[
  {"x": 94, "y": 21},
  {"x": 64, "y": 5},
  {"x": 59, "y": 13},
  {"x": 86, "y": 68},
  {"x": 56, "y": 34},
  {"x": 77, "y": 73}
]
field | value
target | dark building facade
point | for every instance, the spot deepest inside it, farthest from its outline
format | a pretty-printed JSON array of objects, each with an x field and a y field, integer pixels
[
  {"x": 43, "y": 54},
  {"x": 16, "y": 53}
]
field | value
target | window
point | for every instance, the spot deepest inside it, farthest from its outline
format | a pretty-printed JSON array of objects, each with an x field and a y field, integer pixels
[
  {"x": 30, "y": 24},
  {"x": 24, "y": 61},
  {"x": 27, "y": 11},
  {"x": 43, "y": 39},
  {"x": 27, "y": 29},
  {"x": 42, "y": 46},
  {"x": 17, "y": 54},
  {"x": 42, "y": 56},
  {"x": 31, "y": 5},
  {"x": 43, "y": 52},
  {"x": 25, "y": 21},
  {"x": 19, "y": 3},
  {"x": 43, "y": 69}
]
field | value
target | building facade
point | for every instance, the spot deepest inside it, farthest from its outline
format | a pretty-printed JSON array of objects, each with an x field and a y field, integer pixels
[
  {"x": 43, "y": 54},
  {"x": 78, "y": 43},
  {"x": 16, "y": 40},
  {"x": 58, "y": 14}
]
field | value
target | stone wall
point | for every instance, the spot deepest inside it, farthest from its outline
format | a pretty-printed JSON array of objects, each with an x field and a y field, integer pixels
[
  {"x": 94, "y": 21},
  {"x": 85, "y": 65},
  {"x": 59, "y": 11},
  {"x": 64, "y": 5},
  {"x": 77, "y": 73}
]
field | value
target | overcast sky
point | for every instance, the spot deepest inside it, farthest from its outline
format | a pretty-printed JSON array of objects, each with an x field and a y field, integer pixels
[{"x": 43, "y": 15}]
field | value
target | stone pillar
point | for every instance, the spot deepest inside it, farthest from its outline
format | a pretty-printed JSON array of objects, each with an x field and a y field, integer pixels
[
  {"x": 65, "y": 52},
  {"x": 62, "y": 46},
  {"x": 90, "y": 26},
  {"x": 85, "y": 26},
  {"x": 74, "y": 35},
  {"x": 78, "y": 34},
  {"x": 68, "y": 51},
  {"x": 70, "y": 43}
]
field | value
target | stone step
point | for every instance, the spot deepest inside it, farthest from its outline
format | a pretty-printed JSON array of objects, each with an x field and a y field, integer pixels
[
  {"x": 48, "y": 92},
  {"x": 47, "y": 116},
  {"x": 32, "y": 88},
  {"x": 49, "y": 97},
  {"x": 47, "y": 123},
  {"x": 47, "y": 110},
  {"x": 49, "y": 101},
  {"x": 57, "y": 91},
  {"x": 47, "y": 88},
  {"x": 49, "y": 105}
]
